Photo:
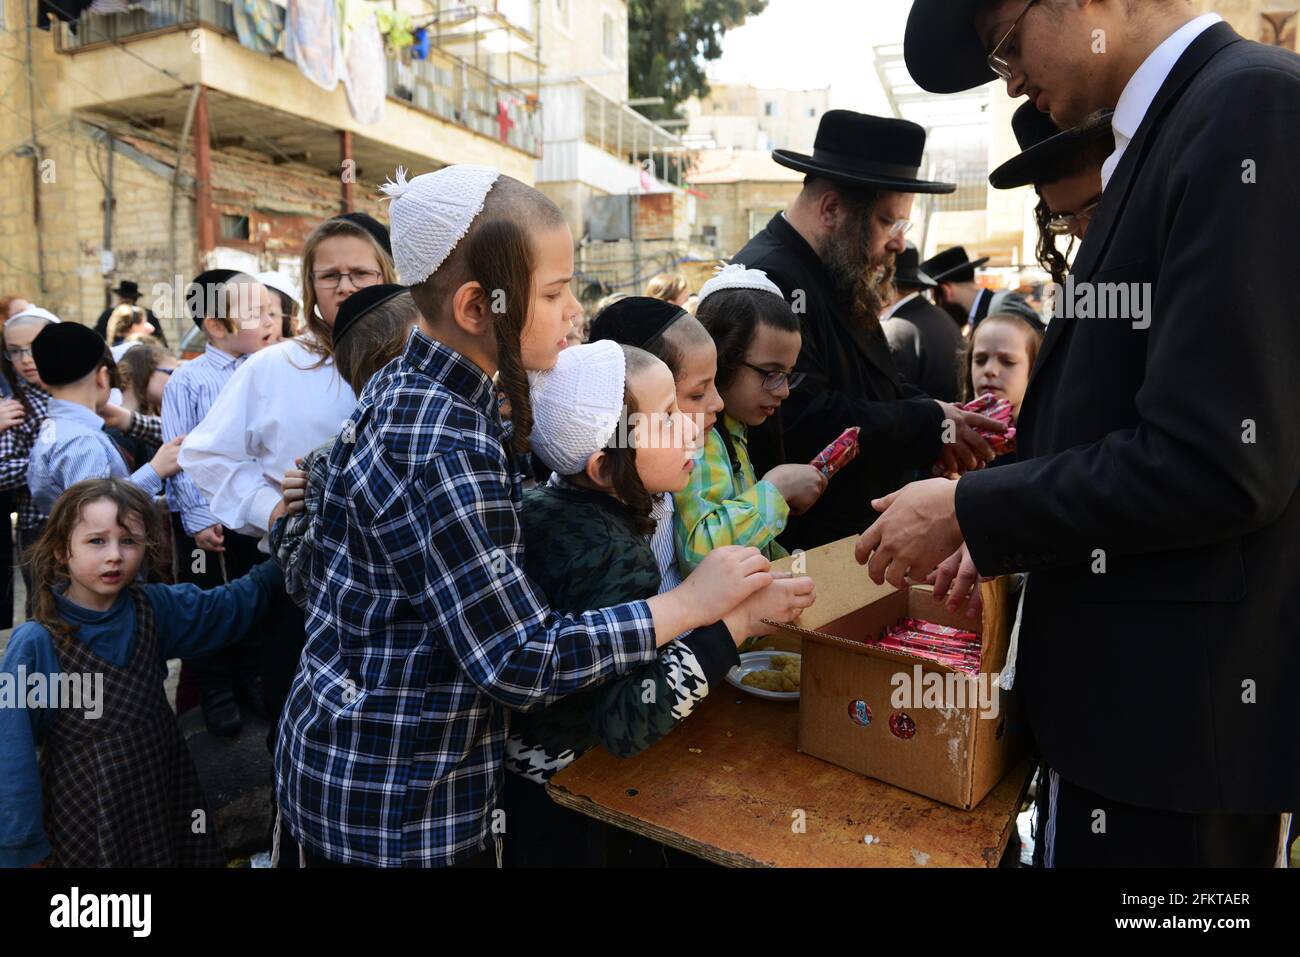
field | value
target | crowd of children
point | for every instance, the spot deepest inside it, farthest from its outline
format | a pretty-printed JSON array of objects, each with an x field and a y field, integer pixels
[{"x": 429, "y": 639}]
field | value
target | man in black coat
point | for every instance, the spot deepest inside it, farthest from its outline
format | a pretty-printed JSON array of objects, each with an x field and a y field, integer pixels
[
  {"x": 1155, "y": 505},
  {"x": 831, "y": 252},
  {"x": 956, "y": 291},
  {"x": 924, "y": 341}
]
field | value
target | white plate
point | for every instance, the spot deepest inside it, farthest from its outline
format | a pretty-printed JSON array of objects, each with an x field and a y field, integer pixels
[{"x": 760, "y": 661}]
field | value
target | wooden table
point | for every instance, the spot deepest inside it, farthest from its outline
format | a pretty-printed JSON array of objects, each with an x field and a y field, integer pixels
[{"x": 728, "y": 785}]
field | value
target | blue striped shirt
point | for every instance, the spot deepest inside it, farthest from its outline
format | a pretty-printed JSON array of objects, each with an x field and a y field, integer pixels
[
  {"x": 71, "y": 447},
  {"x": 188, "y": 395},
  {"x": 422, "y": 629}
]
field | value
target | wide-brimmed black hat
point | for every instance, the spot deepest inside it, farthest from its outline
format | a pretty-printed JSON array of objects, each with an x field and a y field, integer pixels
[
  {"x": 1045, "y": 147},
  {"x": 908, "y": 272},
  {"x": 952, "y": 265},
  {"x": 942, "y": 51},
  {"x": 877, "y": 152},
  {"x": 127, "y": 289}
]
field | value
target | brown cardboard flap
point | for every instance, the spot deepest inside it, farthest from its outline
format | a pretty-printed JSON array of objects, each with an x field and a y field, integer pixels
[{"x": 843, "y": 585}]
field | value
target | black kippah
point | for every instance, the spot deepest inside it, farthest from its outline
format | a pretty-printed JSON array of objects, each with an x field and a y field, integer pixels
[
  {"x": 360, "y": 303},
  {"x": 206, "y": 288},
  {"x": 67, "y": 351},
  {"x": 374, "y": 227},
  {"x": 634, "y": 321}
]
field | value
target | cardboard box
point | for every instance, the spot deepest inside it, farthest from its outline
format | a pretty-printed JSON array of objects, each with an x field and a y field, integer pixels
[{"x": 908, "y": 721}]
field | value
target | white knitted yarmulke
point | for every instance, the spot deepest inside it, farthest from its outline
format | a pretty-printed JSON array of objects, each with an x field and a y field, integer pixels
[
  {"x": 736, "y": 276},
  {"x": 577, "y": 405},
  {"x": 431, "y": 213},
  {"x": 281, "y": 282}
]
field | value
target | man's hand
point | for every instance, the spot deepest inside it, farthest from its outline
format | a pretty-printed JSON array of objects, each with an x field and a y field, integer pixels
[
  {"x": 958, "y": 580},
  {"x": 917, "y": 530},
  {"x": 968, "y": 450},
  {"x": 211, "y": 539}
]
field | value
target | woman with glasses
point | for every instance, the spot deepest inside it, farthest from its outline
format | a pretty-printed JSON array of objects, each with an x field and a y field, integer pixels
[
  {"x": 1064, "y": 167},
  {"x": 757, "y": 337},
  {"x": 279, "y": 405}
]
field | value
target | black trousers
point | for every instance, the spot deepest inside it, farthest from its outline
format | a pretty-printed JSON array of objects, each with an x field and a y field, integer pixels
[
  {"x": 1088, "y": 830},
  {"x": 240, "y": 659}
]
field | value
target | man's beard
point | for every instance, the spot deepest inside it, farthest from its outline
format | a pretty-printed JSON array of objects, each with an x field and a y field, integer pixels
[{"x": 863, "y": 281}]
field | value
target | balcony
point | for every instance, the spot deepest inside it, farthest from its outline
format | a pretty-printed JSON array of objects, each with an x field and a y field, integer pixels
[
  {"x": 137, "y": 67},
  {"x": 593, "y": 139}
]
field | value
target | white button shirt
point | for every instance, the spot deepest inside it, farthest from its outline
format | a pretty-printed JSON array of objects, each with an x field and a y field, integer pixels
[
  {"x": 274, "y": 409},
  {"x": 1145, "y": 83}
]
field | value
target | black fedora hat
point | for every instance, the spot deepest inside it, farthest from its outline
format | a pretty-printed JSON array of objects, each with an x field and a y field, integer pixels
[
  {"x": 908, "y": 272},
  {"x": 127, "y": 289},
  {"x": 952, "y": 265},
  {"x": 1044, "y": 146},
  {"x": 942, "y": 51},
  {"x": 871, "y": 151}
]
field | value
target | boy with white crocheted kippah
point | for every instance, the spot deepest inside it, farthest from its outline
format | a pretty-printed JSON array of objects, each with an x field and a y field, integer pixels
[{"x": 423, "y": 629}]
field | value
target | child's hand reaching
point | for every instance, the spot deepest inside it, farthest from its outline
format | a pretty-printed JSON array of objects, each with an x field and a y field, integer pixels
[
  {"x": 799, "y": 485},
  {"x": 211, "y": 539},
  {"x": 727, "y": 576},
  {"x": 293, "y": 490},
  {"x": 164, "y": 460},
  {"x": 783, "y": 601},
  {"x": 11, "y": 413}
]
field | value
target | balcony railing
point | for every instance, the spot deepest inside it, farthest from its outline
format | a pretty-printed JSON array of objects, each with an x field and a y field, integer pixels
[{"x": 442, "y": 85}]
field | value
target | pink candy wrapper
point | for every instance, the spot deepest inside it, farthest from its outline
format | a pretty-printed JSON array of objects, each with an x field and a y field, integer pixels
[{"x": 839, "y": 453}]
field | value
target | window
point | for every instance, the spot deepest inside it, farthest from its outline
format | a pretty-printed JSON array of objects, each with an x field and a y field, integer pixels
[
  {"x": 710, "y": 235},
  {"x": 769, "y": 108},
  {"x": 562, "y": 12},
  {"x": 812, "y": 111},
  {"x": 234, "y": 227},
  {"x": 607, "y": 36}
]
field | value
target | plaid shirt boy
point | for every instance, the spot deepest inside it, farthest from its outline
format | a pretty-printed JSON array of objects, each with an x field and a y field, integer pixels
[
  {"x": 725, "y": 506},
  {"x": 15, "y": 449},
  {"x": 422, "y": 629}
]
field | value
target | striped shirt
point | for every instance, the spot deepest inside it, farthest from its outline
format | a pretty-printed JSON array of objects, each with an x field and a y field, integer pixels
[
  {"x": 72, "y": 446},
  {"x": 725, "y": 506},
  {"x": 15, "y": 449},
  {"x": 188, "y": 395},
  {"x": 423, "y": 630}
]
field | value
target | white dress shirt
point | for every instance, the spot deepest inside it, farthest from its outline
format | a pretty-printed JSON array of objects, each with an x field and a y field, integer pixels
[
  {"x": 274, "y": 409},
  {"x": 889, "y": 313},
  {"x": 1145, "y": 83}
]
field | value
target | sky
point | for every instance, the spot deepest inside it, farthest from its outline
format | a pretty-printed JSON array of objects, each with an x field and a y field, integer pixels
[{"x": 801, "y": 44}]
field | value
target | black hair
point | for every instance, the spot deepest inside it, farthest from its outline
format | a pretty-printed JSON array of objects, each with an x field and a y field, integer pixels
[{"x": 732, "y": 318}]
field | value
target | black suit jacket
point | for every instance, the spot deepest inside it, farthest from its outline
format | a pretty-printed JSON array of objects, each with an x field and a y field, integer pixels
[
  {"x": 1171, "y": 453},
  {"x": 927, "y": 347},
  {"x": 851, "y": 380}
]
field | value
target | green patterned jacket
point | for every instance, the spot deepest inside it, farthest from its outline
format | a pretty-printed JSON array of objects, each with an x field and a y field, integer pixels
[{"x": 581, "y": 550}]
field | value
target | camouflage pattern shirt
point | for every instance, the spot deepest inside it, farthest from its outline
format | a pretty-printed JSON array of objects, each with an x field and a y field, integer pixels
[{"x": 582, "y": 551}]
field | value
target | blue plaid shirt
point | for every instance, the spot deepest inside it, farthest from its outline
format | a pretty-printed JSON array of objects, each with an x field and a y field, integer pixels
[{"x": 422, "y": 629}]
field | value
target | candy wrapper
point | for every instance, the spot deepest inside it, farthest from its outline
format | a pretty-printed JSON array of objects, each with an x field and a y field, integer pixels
[
  {"x": 953, "y": 647},
  {"x": 991, "y": 405},
  {"x": 839, "y": 453}
]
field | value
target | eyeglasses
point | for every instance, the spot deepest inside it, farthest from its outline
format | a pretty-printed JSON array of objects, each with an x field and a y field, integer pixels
[
  {"x": 998, "y": 64},
  {"x": 358, "y": 277},
  {"x": 19, "y": 352},
  {"x": 1063, "y": 224},
  {"x": 900, "y": 228},
  {"x": 772, "y": 381}
]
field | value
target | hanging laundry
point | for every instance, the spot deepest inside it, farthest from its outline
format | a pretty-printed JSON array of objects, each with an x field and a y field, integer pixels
[
  {"x": 420, "y": 49},
  {"x": 259, "y": 25},
  {"x": 106, "y": 7},
  {"x": 311, "y": 40},
  {"x": 365, "y": 73}
]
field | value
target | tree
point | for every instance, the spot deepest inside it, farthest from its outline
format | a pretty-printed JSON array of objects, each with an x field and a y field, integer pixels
[{"x": 669, "y": 42}]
